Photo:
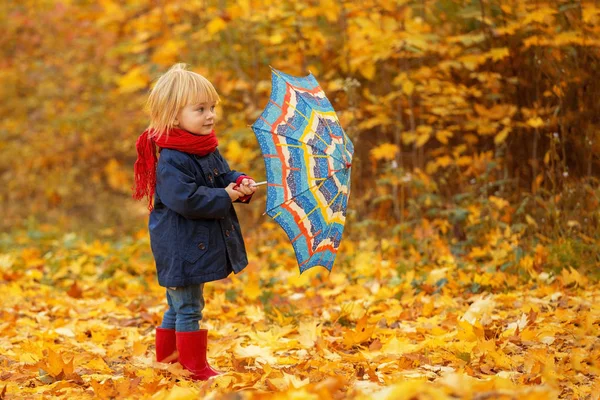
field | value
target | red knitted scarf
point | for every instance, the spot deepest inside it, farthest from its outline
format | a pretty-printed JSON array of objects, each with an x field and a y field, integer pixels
[{"x": 177, "y": 139}]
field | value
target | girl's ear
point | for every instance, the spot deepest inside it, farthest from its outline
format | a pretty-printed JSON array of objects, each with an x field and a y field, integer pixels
[{"x": 176, "y": 123}]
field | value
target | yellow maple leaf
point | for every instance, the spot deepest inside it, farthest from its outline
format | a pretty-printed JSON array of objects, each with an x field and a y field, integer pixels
[
  {"x": 116, "y": 176},
  {"x": 535, "y": 122},
  {"x": 500, "y": 359},
  {"x": 499, "y": 202},
  {"x": 215, "y": 26},
  {"x": 385, "y": 151},
  {"x": 28, "y": 358},
  {"x": 235, "y": 152},
  {"x": 368, "y": 70},
  {"x": 288, "y": 381},
  {"x": 260, "y": 354},
  {"x": 139, "y": 348},
  {"x": 589, "y": 15},
  {"x": 501, "y": 137},
  {"x": 422, "y": 139},
  {"x": 466, "y": 332},
  {"x": 480, "y": 311},
  {"x": 104, "y": 388},
  {"x": 443, "y": 136},
  {"x": 408, "y": 137},
  {"x": 55, "y": 365},
  {"x": 472, "y": 61},
  {"x": 443, "y": 161},
  {"x": 464, "y": 160},
  {"x": 276, "y": 38},
  {"x": 567, "y": 38},
  {"x": 308, "y": 333},
  {"x": 99, "y": 365},
  {"x": 32, "y": 257},
  {"x": 408, "y": 87},
  {"x": 252, "y": 289},
  {"x": 571, "y": 275},
  {"x": 539, "y": 15},
  {"x": 528, "y": 335},
  {"x": 168, "y": 52},
  {"x": 395, "y": 346},
  {"x": 499, "y": 53},
  {"x": 280, "y": 318},
  {"x": 137, "y": 78},
  {"x": 360, "y": 334}
]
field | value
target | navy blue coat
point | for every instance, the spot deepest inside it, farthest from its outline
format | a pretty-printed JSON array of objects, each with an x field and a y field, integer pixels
[{"x": 195, "y": 235}]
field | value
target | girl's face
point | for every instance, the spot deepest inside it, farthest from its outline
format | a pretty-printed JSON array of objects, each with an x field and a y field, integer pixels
[{"x": 198, "y": 119}]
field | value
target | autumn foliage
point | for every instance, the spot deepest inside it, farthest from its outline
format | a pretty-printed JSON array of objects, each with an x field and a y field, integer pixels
[
  {"x": 78, "y": 318},
  {"x": 469, "y": 263}
]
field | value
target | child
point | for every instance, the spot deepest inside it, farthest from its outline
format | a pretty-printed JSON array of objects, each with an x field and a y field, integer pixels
[{"x": 195, "y": 235}]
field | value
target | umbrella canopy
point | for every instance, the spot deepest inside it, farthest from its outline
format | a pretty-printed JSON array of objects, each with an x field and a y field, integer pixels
[{"x": 307, "y": 159}]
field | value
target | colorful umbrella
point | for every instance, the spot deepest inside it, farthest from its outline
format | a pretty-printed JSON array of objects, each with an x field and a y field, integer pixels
[{"x": 307, "y": 158}]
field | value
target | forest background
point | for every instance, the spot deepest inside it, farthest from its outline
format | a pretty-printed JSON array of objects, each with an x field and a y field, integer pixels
[{"x": 476, "y": 125}]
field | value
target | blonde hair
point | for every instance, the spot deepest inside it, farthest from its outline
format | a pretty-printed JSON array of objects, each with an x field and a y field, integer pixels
[{"x": 174, "y": 90}]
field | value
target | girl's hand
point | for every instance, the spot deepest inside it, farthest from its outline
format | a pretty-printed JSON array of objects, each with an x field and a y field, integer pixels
[
  {"x": 247, "y": 187},
  {"x": 234, "y": 194}
]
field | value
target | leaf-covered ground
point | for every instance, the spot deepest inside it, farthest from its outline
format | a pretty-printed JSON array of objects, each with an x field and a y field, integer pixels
[{"x": 78, "y": 319}]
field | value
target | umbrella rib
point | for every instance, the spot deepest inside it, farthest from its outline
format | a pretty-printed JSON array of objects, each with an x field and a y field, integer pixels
[
  {"x": 307, "y": 189},
  {"x": 322, "y": 252},
  {"x": 293, "y": 88},
  {"x": 335, "y": 254},
  {"x": 307, "y": 120},
  {"x": 308, "y": 144},
  {"x": 328, "y": 204},
  {"x": 305, "y": 102},
  {"x": 345, "y": 137}
]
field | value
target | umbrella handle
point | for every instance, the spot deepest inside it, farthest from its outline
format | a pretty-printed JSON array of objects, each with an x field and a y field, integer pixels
[{"x": 259, "y": 183}]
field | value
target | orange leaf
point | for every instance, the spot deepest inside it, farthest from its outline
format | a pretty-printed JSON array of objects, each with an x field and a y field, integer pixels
[
  {"x": 139, "y": 348},
  {"x": 54, "y": 363},
  {"x": 75, "y": 291},
  {"x": 361, "y": 334}
]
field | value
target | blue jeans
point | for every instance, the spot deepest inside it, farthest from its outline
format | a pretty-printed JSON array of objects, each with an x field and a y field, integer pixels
[{"x": 185, "y": 308}]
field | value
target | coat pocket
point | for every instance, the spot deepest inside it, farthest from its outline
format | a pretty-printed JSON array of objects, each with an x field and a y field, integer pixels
[{"x": 197, "y": 245}]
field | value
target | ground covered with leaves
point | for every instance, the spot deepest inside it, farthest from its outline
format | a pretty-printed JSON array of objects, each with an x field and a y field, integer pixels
[{"x": 78, "y": 318}]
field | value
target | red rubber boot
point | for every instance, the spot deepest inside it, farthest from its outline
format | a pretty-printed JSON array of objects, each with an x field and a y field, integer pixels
[
  {"x": 166, "y": 348},
  {"x": 192, "y": 354}
]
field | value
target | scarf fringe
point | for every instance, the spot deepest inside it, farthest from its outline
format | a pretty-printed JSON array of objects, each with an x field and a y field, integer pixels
[{"x": 145, "y": 169}]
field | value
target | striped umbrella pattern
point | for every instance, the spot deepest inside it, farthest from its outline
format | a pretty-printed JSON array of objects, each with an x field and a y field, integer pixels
[{"x": 308, "y": 159}]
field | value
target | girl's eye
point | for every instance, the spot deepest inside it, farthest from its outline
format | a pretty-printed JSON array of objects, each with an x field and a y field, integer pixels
[
  {"x": 212, "y": 108},
  {"x": 201, "y": 109}
]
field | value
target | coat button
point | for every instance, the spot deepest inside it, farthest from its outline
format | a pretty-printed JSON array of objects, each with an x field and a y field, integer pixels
[
  {"x": 232, "y": 227},
  {"x": 216, "y": 171},
  {"x": 227, "y": 233},
  {"x": 201, "y": 246},
  {"x": 210, "y": 178}
]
